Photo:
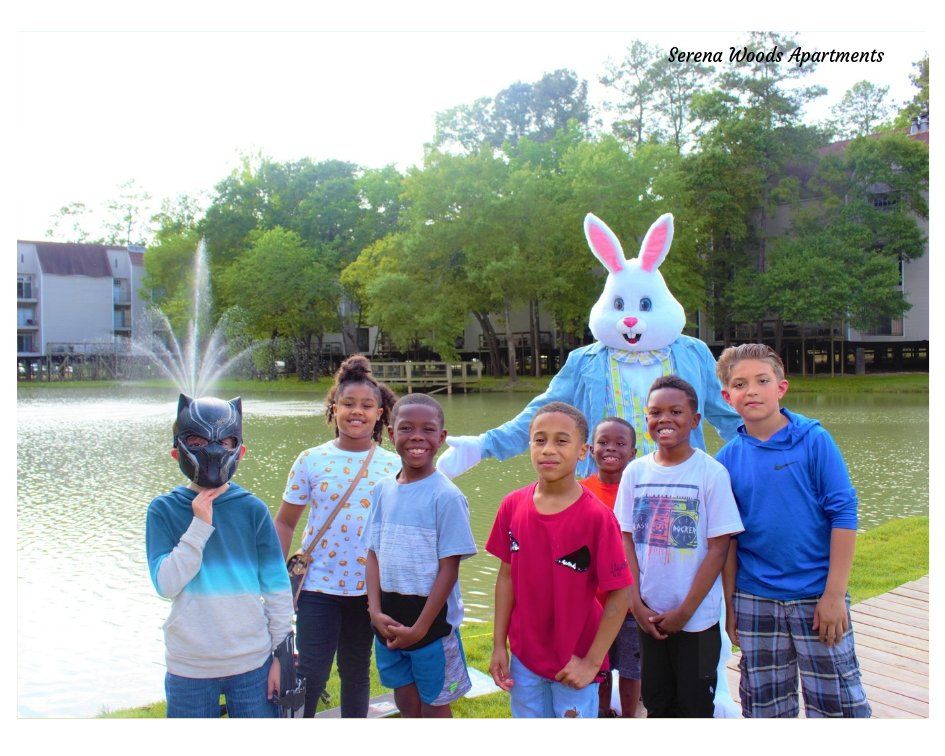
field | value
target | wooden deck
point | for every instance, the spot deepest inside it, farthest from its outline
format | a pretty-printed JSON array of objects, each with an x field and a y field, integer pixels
[
  {"x": 891, "y": 632},
  {"x": 431, "y": 377}
]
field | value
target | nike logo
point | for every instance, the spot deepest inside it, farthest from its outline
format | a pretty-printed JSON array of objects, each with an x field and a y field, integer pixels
[{"x": 781, "y": 467}]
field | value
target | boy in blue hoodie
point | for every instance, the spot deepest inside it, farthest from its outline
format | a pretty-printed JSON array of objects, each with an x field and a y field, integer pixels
[
  {"x": 786, "y": 575},
  {"x": 212, "y": 549}
]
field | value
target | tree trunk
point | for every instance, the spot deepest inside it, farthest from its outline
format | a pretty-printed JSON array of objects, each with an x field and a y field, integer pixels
[
  {"x": 510, "y": 342},
  {"x": 831, "y": 350},
  {"x": 536, "y": 338},
  {"x": 272, "y": 356},
  {"x": 841, "y": 346},
  {"x": 803, "y": 351},
  {"x": 779, "y": 336},
  {"x": 492, "y": 343}
]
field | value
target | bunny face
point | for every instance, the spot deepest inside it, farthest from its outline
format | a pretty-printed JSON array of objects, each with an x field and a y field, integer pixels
[{"x": 636, "y": 311}]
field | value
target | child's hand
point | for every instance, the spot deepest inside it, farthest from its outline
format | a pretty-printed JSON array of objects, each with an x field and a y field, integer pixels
[
  {"x": 642, "y": 614},
  {"x": 577, "y": 673},
  {"x": 499, "y": 668},
  {"x": 830, "y": 618},
  {"x": 275, "y": 678},
  {"x": 203, "y": 503},
  {"x": 670, "y": 622},
  {"x": 402, "y": 636},
  {"x": 730, "y": 625},
  {"x": 382, "y": 623}
]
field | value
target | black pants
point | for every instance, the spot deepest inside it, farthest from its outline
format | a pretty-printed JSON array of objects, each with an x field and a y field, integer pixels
[
  {"x": 327, "y": 624},
  {"x": 679, "y": 673}
]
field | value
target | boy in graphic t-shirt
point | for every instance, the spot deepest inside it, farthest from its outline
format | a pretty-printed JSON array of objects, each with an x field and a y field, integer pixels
[
  {"x": 558, "y": 546},
  {"x": 677, "y": 513}
]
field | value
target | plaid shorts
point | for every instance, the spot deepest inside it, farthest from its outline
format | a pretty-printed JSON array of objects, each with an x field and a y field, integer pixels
[{"x": 776, "y": 641}]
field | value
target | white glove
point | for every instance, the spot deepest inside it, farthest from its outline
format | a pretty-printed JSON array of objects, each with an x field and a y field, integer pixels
[{"x": 464, "y": 452}]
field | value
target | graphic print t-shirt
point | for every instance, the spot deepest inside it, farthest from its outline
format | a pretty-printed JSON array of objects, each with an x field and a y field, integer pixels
[
  {"x": 411, "y": 527},
  {"x": 558, "y": 561},
  {"x": 318, "y": 478},
  {"x": 672, "y": 512}
]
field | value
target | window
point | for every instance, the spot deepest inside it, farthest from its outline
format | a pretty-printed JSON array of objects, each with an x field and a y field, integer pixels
[
  {"x": 26, "y": 316},
  {"x": 24, "y": 287},
  {"x": 121, "y": 291},
  {"x": 25, "y": 342},
  {"x": 885, "y": 200},
  {"x": 891, "y": 327},
  {"x": 121, "y": 319}
]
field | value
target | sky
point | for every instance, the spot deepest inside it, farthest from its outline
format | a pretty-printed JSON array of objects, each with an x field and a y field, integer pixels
[{"x": 171, "y": 101}]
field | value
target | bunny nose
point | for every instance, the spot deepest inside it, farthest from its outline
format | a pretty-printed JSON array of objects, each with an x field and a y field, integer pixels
[{"x": 629, "y": 322}]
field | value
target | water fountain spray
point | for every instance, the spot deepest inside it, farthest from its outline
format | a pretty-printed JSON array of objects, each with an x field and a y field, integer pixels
[{"x": 201, "y": 362}]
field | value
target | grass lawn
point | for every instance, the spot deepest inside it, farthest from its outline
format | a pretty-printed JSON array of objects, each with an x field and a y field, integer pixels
[{"x": 889, "y": 555}]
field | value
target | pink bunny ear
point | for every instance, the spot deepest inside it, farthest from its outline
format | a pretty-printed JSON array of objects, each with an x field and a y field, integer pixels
[
  {"x": 603, "y": 243},
  {"x": 656, "y": 243}
]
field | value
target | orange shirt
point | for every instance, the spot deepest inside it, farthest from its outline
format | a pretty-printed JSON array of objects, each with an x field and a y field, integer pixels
[{"x": 606, "y": 492}]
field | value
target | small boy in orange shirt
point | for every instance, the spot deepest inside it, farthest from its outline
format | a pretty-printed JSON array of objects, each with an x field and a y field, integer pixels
[{"x": 613, "y": 448}]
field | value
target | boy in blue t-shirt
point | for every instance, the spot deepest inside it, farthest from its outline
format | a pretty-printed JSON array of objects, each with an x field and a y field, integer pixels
[
  {"x": 416, "y": 533},
  {"x": 212, "y": 549},
  {"x": 786, "y": 575}
]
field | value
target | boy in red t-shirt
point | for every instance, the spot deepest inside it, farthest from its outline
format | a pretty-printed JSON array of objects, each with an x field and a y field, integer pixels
[
  {"x": 613, "y": 448},
  {"x": 558, "y": 545}
]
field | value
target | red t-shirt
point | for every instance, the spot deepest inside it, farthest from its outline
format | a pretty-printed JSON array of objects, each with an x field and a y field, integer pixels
[{"x": 558, "y": 561}]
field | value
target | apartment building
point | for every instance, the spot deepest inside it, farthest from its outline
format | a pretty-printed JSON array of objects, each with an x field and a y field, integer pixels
[{"x": 76, "y": 299}]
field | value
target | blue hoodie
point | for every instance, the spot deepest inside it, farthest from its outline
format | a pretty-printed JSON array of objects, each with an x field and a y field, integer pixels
[
  {"x": 791, "y": 491},
  {"x": 231, "y": 600}
]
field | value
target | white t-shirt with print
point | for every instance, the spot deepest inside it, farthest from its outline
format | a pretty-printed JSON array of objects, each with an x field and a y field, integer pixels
[
  {"x": 672, "y": 512},
  {"x": 318, "y": 478}
]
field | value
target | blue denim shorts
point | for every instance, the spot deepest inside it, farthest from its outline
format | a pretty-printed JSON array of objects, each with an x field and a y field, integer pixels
[
  {"x": 533, "y": 696},
  {"x": 437, "y": 669}
]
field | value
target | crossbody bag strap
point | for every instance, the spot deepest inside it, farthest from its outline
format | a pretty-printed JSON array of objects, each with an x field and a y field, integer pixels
[{"x": 362, "y": 473}]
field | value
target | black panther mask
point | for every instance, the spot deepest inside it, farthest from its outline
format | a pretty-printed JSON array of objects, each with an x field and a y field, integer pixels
[{"x": 212, "y": 465}]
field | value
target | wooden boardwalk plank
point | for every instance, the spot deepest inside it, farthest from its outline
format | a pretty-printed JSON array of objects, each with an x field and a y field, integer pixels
[
  {"x": 910, "y": 705},
  {"x": 878, "y": 680},
  {"x": 895, "y": 598},
  {"x": 894, "y": 637},
  {"x": 903, "y": 591},
  {"x": 880, "y": 644},
  {"x": 892, "y": 660},
  {"x": 880, "y": 602},
  {"x": 860, "y": 620},
  {"x": 868, "y": 664},
  {"x": 885, "y": 614},
  {"x": 922, "y": 584}
]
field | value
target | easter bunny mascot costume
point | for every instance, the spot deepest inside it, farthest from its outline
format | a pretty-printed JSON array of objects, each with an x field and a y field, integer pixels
[{"x": 637, "y": 324}]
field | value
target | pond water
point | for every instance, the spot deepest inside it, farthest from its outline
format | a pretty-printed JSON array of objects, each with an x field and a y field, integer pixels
[{"x": 90, "y": 460}]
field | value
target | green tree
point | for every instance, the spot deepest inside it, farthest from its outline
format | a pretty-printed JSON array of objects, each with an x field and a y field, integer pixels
[
  {"x": 861, "y": 110},
  {"x": 919, "y": 104},
  {"x": 287, "y": 289},
  {"x": 634, "y": 82}
]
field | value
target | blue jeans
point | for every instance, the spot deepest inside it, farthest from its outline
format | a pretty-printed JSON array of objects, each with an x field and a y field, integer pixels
[
  {"x": 534, "y": 696},
  {"x": 327, "y": 624},
  {"x": 200, "y": 697}
]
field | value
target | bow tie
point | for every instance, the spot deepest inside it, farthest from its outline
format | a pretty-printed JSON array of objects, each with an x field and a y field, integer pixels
[{"x": 648, "y": 357}]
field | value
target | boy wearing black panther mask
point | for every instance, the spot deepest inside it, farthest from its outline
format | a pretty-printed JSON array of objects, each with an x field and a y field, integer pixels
[{"x": 212, "y": 549}]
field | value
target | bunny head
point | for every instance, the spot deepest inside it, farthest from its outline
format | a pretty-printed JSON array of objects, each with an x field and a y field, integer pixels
[{"x": 636, "y": 312}]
